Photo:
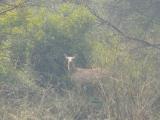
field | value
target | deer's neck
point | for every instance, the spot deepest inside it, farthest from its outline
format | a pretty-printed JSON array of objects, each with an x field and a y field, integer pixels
[{"x": 71, "y": 67}]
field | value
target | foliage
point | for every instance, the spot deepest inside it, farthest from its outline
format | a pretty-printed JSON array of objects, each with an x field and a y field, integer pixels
[
  {"x": 34, "y": 81},
  {"x": 64, "y": 32}
]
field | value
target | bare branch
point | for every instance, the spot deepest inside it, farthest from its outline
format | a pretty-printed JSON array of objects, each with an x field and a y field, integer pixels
[
  {"x": 104, "y": 21},
  {"x": 11, "y": 8}
]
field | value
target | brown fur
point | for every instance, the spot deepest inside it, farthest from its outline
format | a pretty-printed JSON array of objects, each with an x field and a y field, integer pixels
[{"x": 88, "y": 75}]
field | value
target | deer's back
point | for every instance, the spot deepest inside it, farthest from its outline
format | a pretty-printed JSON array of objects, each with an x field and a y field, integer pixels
[{"x": 83, "y": 75}]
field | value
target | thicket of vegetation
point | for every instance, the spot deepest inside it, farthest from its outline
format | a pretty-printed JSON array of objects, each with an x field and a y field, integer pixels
[{"x": 120, "y": 36}]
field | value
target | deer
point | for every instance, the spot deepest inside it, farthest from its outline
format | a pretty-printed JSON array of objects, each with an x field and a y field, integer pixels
[
  {"x": 81, "y": 74},
  {"x": 84, "y": 76}
]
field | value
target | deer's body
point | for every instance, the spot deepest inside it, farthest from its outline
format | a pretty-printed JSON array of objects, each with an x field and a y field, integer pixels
[{"x": 87, "y": 75}]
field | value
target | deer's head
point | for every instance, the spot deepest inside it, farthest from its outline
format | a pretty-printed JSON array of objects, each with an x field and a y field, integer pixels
[{"x": 70, "y": 61}]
